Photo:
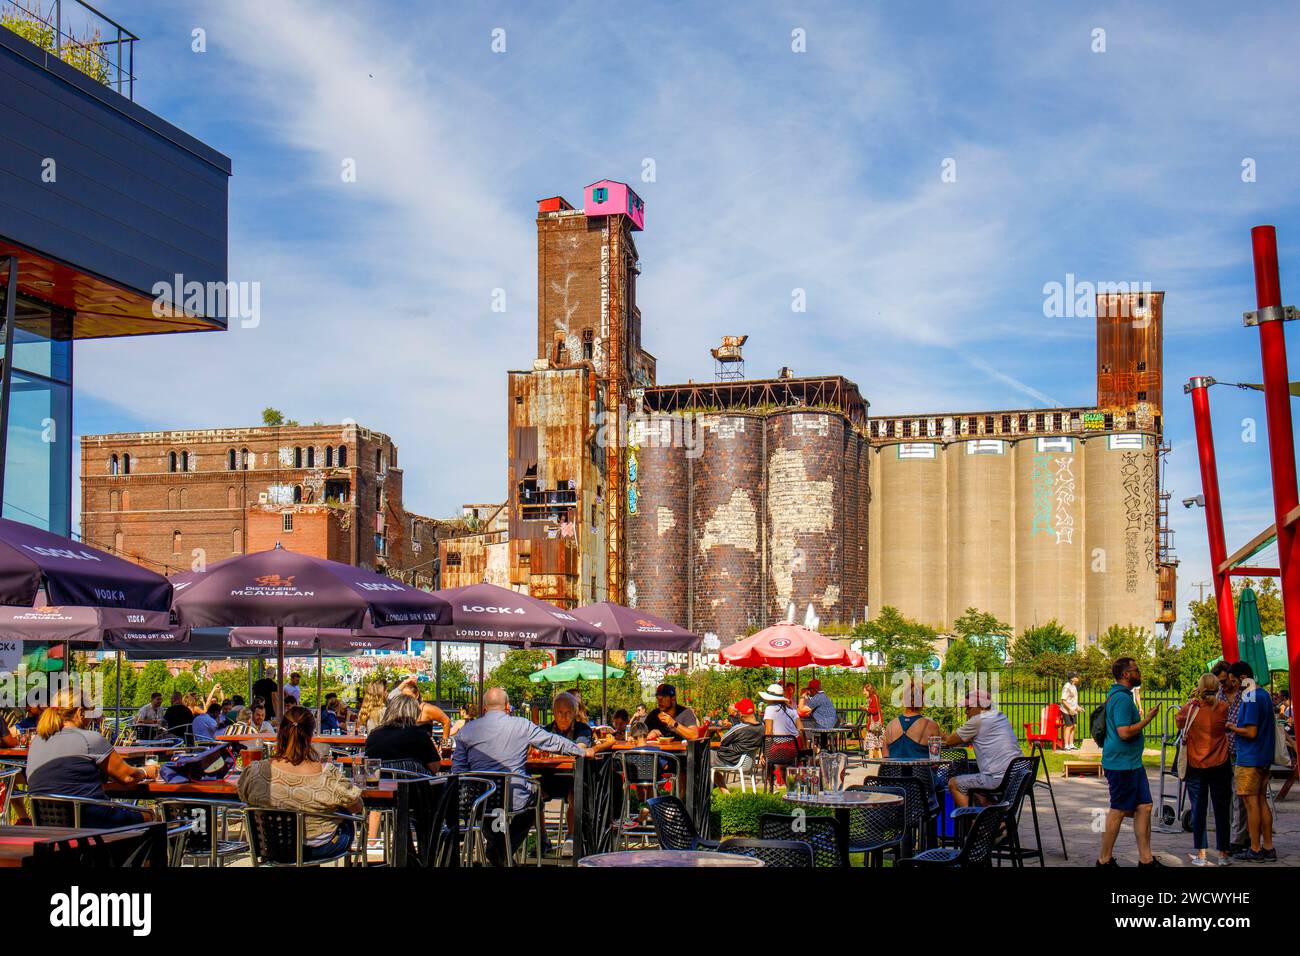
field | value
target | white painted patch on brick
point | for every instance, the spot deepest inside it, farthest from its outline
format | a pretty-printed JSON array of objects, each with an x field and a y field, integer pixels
[
  {"x": 795, "y": 505},
  {"x": 734, "y": 523},
  {"x": 666, "y": 520},
  {"x": 811, "y": 424}
]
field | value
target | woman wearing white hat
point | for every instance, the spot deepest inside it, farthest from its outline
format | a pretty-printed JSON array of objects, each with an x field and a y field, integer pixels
[{"x": 779, "y": 718}]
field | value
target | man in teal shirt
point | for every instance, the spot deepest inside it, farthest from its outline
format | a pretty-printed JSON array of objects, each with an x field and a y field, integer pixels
[{"x": 1121, "y": 759}]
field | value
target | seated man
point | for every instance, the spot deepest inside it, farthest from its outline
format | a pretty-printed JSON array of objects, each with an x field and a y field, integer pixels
[
  {"x": 621, "y": 721},
  {"x": 819, "y": 706},
  {"x": 669, "y": 718},
  {"x": 31, "y": 717},
  {"x": 995, "y": 743},
  {"x": 499, "y": 743},
  {"x": 329, "y": 718},
  {"x": 207, "y": 723},
  {"x": 744, "y": 738}
]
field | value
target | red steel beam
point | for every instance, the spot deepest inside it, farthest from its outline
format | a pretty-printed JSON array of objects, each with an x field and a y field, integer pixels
[
  {"x": 1245, "y": 572},
  {"x": 1198, "y": 389},
  {"x": 1281, "y": 444}
]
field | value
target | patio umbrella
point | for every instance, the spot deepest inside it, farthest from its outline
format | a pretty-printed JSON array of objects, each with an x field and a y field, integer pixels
[
  {"x": 628, "y": 629},
  {"x": 45, "y": 622},
  {"x": 789, "y": 645},
  {"x": 1274, "y": 652},
  {"x": 1250, "y": 636},
  {"x": 282, "y": 588},
  {"x": 73, "y": 574},
  {"x": 573, "y": 669},
  {"x": 488, "y": 614}
]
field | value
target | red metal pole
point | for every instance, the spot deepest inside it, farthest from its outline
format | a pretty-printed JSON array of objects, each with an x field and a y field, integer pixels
[
  {"x": 1281, "y": 444},
  {"x": 1198, "y": 388}
]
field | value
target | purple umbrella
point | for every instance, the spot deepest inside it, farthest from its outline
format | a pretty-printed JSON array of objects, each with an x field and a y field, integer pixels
[
  {"x": 72, "y": 624},
  {"x": 627, "y": 629},
  {"x": 72, "y": 573},
  {"x": 488, "y": 614},
  {"x": 328, "y": 638},
  {"x": 281, "y": 588}
]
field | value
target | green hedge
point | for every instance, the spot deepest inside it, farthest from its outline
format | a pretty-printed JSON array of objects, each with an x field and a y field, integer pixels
[{"x": 737, "y": 814}]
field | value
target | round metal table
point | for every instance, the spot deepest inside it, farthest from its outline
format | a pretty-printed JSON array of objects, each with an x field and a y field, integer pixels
[
  {"x": 668, "y": 858},
  {"x": 842, "y": 803}
]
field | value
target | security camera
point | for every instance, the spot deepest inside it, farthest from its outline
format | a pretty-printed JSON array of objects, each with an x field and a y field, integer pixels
[{"x": 1197, "y": 502}]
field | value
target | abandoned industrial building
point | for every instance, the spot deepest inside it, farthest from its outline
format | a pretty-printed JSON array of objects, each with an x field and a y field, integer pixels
[{"x": 722, "y": 504}]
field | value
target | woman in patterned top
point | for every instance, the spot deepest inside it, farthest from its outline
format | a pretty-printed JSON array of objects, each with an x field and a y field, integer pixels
[{"x": 295, "y": 779}]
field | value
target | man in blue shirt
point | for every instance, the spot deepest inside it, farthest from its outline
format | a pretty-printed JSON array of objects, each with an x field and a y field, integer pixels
[
  {"x": 1121, "y": 759},
  {"x": 206, "y": 724},
  {"x": 1255, "y": 729},
  {"x": 820, "y": 707}
]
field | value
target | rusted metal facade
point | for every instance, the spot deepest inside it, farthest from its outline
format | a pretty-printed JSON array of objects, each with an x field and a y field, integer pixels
[{"x": 1130, "y": 360}]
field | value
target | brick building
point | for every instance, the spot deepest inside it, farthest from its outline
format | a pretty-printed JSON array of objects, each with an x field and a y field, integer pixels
[
  {"x": 719, "y": 505},
  {"x": 167, "y": 499}
]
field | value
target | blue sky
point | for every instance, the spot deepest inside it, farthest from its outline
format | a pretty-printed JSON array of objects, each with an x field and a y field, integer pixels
[{"x": 774, "y": 171}]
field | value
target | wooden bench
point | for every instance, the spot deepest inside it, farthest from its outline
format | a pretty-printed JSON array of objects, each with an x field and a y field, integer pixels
[{"x": 1081, "y": 768}]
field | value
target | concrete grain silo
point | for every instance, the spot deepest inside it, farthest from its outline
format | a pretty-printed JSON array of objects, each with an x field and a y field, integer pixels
[
  {"x": 1049, "y": 538},
  {"x": 912, "y": 521},
  {"x": 980, "y": 488}
]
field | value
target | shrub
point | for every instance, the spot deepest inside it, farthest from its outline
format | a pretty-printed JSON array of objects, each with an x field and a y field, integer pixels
[{"x": 737, "y": 814}]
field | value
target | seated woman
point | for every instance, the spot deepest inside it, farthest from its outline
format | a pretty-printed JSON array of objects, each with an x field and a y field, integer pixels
[
  {"x": 295, "y": 779},
  {"x": 67, "y": 760},
  {"x": 400, "y": 741}
]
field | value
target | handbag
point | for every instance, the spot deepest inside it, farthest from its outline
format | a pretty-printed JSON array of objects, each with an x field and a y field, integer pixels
[
  {"x": 215, "y": 763},
  {"x": 1180, "y": 759}
]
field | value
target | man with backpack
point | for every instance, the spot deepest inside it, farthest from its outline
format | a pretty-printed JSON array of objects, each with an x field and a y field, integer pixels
[{"x": 1121, "y": 760}]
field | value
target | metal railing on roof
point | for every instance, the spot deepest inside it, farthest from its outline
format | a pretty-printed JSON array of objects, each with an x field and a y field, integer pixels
[{"x": 79, "y": 35}]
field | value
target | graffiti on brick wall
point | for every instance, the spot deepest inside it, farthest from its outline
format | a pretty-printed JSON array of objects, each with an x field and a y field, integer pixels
[
  {"x": 811, "y": 424},
  {"x": 725, "y": 426}
]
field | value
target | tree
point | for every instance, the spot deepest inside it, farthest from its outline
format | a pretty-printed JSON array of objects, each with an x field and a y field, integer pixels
[
  {"x": 1127, "y": 641},
  {"x": 272, "y": 416},
  {"x": 902, "y": 642},
  {"x": 512, "y": 675},
  {"x": 154, "y": 678},
  {"x": 1049, "y": 638}
]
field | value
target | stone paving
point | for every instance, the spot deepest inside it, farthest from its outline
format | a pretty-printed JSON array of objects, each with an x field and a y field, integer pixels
[{"x": 1082, "y": 803}]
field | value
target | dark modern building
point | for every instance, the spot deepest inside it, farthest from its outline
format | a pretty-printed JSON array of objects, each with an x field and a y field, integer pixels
[{"x": 113, "y": 218}]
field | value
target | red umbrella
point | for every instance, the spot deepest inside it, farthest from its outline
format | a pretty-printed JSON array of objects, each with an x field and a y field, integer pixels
[{"x": 789, "y": 645}]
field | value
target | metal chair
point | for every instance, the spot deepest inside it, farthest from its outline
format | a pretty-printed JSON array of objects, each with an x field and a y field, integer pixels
[
  {"x": 643, "y": 781},
  {"x": 279, "y": 837},
  {"x": 475, "y": 793},
  {"x": 877, "y": 830},
  {"x": 817, "y": 832},
  {"x": 8, "y": 784},
  {"x": 131, "y": 847},
  {"x": 59, "y": 810},
  {"x": 976, "y": 848},
  {"x": 742, "y": 768},
  {"x": 209, "y": 836},
  {"x": 781, "y": 853},
  {"x": 917, "y": 797},
  {"x": 779, "y": 750},
  {"x": 503, "y": 808},
  {"x": 433, "y": 838},
  {"x": 673, "y": 826},
  {"x": 1016, "y": 785}
]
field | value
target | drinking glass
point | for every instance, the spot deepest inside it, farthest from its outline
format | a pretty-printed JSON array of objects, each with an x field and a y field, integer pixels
[
  {"x": 372, "y": 766},
  {"x": 936, "y": 747},
  {"x": 358, "y": 772}
]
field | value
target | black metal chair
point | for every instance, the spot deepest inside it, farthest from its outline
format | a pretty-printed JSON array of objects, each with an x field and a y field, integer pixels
[
  {"x": 780, "y": 853},
  {"x": 434, "y": 836},
  {"x": 279, "y": 838},
  {"x": 1015, "y": 786},
  {"x": 503, "y": 808},
  {"x": 131, "y": 847},
  {"x": 817, "y": 832},
  {"x": 976, "y": 848},
  {"x": 8, "y": 786},
  {"x": 209, "y": 835},
  {"x": 779, "y": 750},
  {"x": 59, "y": 810},
  {"x": 878, "y": 830},
  {"x": 916, "y": 808},
  {"x": 644, "y": 774},
  {"x": 673, "y": 826}
]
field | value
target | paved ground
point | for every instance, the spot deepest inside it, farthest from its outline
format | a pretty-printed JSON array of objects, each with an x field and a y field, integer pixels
[{"x": 1082, "y": 803}]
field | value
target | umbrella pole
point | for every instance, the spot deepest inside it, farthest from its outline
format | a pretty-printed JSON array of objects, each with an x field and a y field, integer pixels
[
  {"x": 320, "y": 704},
  {"x": 117, "y": 710},
  {"x": 279, "y": 671},
  {"x": 481, "y": 678},
  {"x": 604, "y": 685},
  {"x": 437, "y": 672}
]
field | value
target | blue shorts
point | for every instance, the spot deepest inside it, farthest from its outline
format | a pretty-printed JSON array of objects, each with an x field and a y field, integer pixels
[{"x": 1128, "y": 789}]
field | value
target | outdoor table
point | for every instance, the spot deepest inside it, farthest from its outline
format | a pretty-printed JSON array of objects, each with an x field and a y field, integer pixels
[
  {"x": 842, "y": 803},
  {"x": 668, "y": 858},
  {"x": 823, "y": 732},
  {"x": 126, "y": 753},
  {"x": 333, "y": 740},
  {"x": 17, "y": 844},
  {"x": 224, "y": 789}
]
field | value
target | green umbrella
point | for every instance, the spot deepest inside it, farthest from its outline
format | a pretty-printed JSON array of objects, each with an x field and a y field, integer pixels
[
  {"x": 1250, "y": 635},
  {"x": 1275, "y": 651},
  {"x": 571, "y": 670}
]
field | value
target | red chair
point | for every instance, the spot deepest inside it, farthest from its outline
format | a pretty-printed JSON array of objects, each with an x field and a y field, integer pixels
[{"x": 1048, "y": 728}]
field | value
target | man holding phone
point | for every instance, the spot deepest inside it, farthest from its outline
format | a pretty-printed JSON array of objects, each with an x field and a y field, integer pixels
[{"x": 1121, "y": 759}]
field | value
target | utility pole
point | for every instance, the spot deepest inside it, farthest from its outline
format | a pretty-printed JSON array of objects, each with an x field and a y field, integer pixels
[{"x": 1201, "y": 586}]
